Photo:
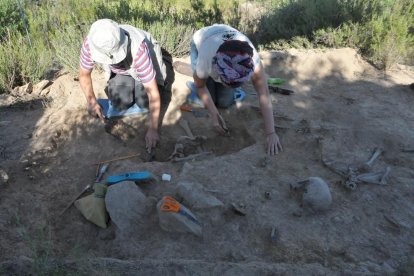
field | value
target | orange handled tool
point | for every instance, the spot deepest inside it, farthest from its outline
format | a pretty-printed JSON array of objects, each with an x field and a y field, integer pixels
[
  {"x": 171, "y": 205},
  {"x": 196, "y": 113},
  {"x": 186, "y": 108}
]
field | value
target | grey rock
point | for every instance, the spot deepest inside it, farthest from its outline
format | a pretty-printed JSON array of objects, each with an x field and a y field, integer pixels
[
  {"x": 196, "y": 197},
  {"x": 177, "y": 222},
  {"x": 239, "y": 208},
  {"x": 125, "y": 204},
  {"x": 317, "y": 195},
  {"x": 4, "y": 177}
]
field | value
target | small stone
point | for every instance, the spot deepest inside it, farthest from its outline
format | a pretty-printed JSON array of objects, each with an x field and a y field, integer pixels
[
  {"x": 239, "y": 208},
  {"x": 31, "y": 177},
  {"x": 4, "y": 178},
  {"x": 268, "y": 195}
]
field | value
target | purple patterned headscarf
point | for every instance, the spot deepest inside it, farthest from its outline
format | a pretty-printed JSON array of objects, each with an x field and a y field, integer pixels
[{"x": 233, "y": 62}]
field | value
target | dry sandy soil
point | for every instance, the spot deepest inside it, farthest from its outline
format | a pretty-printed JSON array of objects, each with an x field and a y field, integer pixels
[{"x": 342, "y": 108}]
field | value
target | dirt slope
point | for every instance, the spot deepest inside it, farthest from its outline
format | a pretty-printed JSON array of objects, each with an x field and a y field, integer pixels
[{"x": 342, "y": 109}]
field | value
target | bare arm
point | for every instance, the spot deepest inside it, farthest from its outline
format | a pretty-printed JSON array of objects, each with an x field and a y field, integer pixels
[
  {"x": 260, "y": 84},
  {"x": 205, "y": 97},
  {"x": 153, "y": 93},
  {"x": 85, "y": 81}
]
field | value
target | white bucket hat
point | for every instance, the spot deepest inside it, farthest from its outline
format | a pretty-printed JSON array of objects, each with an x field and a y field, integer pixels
[{"x": 107, "y": 41}]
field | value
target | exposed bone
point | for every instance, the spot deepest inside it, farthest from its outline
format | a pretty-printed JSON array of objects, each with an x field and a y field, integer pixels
[
  {"x": 178, "y": 151},
  {"x": 374, "y": 156},
  {"x": 336, "y": 167},
  {"x": 379, "y": 178},
  {"x": 317, "y": 195},
  {"x": 355, "y": 175},
  {"x": 351, "y": 182},
  {"x": 183, "y": 142},
  {"x": 184, "y": 124},
  {"x": 191, "y": 156},
  {"x": 299, "y": 184},
  {"x": 367, "y": 166},
  {"x": 193, "y": 141}
]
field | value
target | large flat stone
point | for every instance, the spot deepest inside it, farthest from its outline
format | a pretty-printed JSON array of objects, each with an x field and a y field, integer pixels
[
  {"x": 196, "y": 197},
  {"x": 125, "y": 204}
]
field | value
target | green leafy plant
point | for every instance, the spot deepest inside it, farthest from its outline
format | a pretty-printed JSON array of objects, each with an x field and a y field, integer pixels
[
  {"x": 67, "y": 43},
  {"x": 10, "y": 18},
  {"x": 20, "y": 63}
]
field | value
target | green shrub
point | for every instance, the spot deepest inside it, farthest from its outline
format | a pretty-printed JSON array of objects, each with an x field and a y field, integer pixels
[
  {"x": 10, "y": 19},
  {"x": 175, "y": 38},
  {"x": 385, "y": 36},
  {"x": 300, "y": 18},
  {"x": 9, "y": 74},
  {"x": 382, "y": 29},
  {"x": 20, "y": 63},
  {"x": 389, "y": 36},
  {"x": 67, "y": 43}
]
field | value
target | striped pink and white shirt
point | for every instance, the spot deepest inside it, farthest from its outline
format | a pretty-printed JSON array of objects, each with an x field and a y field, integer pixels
[{"x": 142, "y": 62}]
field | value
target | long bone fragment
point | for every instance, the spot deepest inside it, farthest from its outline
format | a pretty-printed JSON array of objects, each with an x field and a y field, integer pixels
[
  {"x": 191, "y": 156},
  {"x": 379, "y": 178},
  {"x": 375, "y": 155}
]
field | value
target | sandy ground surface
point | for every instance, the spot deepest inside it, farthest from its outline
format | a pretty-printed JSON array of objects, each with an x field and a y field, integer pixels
[{"x": 342, "y": 109}]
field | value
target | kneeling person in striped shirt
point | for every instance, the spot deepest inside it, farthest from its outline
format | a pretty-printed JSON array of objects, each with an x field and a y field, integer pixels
[{"x": 133, "y": 65}]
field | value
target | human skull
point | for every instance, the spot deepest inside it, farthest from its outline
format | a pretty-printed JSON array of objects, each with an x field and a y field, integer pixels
[{"x": 316, "y": 195}]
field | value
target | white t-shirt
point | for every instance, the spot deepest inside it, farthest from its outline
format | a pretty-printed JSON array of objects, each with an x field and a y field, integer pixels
[{"x": 205, "y": 44}]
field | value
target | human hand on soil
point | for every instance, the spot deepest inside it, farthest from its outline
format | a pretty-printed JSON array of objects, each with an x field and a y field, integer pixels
[
  {"x": 151, "y": 139},
  {"x": 95, "y": 110},
  {"x": 273, "y": 144},
  {"x": 219, "y": 124}
]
